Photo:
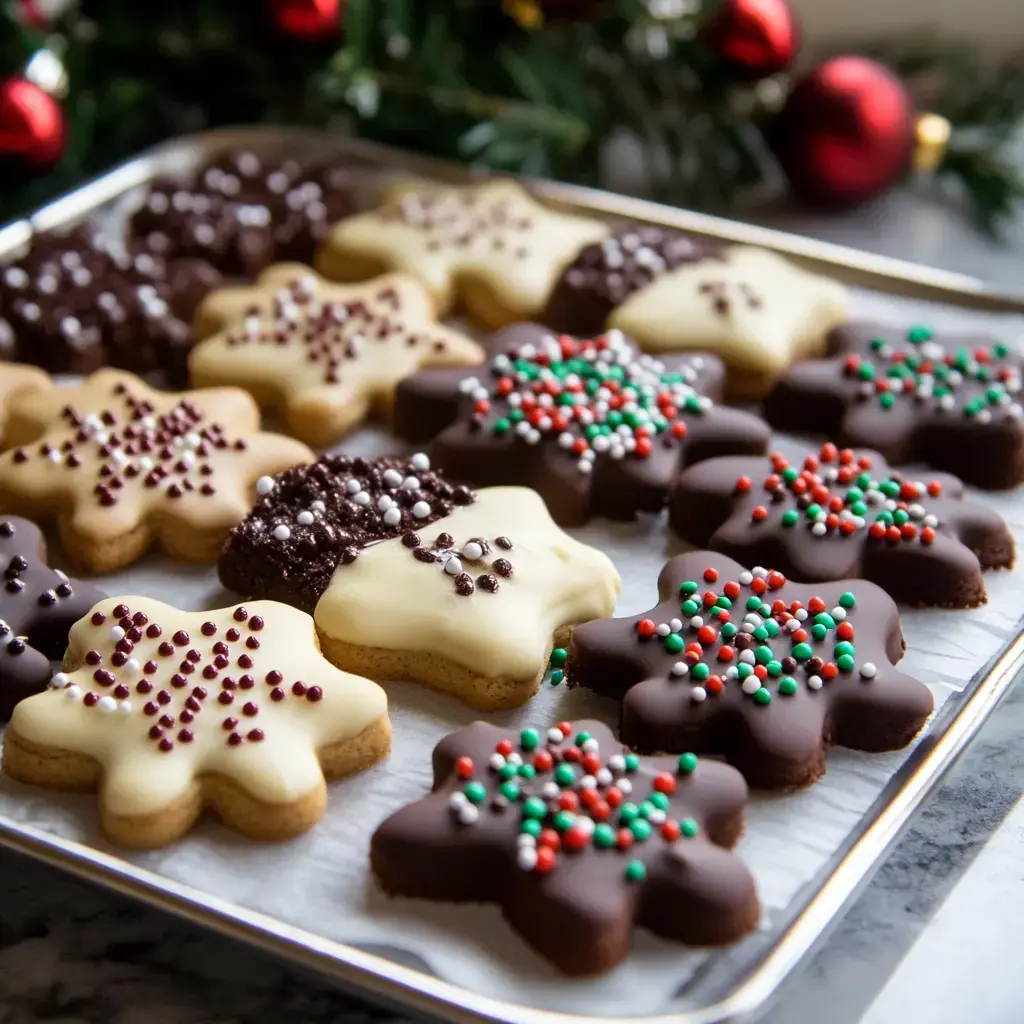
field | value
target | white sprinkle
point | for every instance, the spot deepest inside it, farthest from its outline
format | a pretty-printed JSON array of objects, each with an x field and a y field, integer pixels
[
  {"x": 305, "y": 518},
  {"x": 588, "y": 782},
  {"x": 525, "y": 839},
  {"x": 392, "y": 478},
  {"x": 814, "y": 682},
  {"x": 819, "y": 529},
  {"x": 54, "y": 455},
  {"x": 751, "y": 684},
  {"x": 384, "y": 502},
  {"x": 469, "y": 814},
  {"x": 746, "y": 578},
  {"x": 457, "y": 800},
  {"x": 584, "y": 466},
  {"x": 760, "y": 571},
  {"x": 282, "y": 532},
  {"x": 747, "y": 657},
  {"x": 317, "y": 506},
  {"x": 555, "y": 735},
  {"x": 393, "y": 516},
  {"x": 411, "y": 483},
  {"x": 698, "y": 694},
  {"x": 868, "y": 670},
  {"x": 116, "y": 633},
  {"x": 590, "y": 746},
  {"x": 616, "y": 763},
  {"x": 420, "y": 461},
  {"x": 361, "y": 498},
  {"x": 680, "y": 668},
  {"x": 420, "y": 510},
  {"x": 839, "y": 613},
  {"x": 696, "y": 622},
  {"x": 496, "y": 761},
  {"x": 526, "y": 858},
  {"x": 604, "y": 777},
  {"x": 472, "y": 552},
  {"x": 514, "y": 759},
  {"x": 353, "y": 486},
  {"x": 663, "y": 629},
  {"x": 58, "y": 681},
  {"x": 106, "y": 704},
  {"x": 73, "y": 692},
  {"x": 452, "y": 566},
  {"x": 675, "y": 625},
  {"x": 625, "y": 786},
  {"x": 550, "y": 790},
  {"x": 131, "y": 666},
  {"x": 125, "y": 707}
]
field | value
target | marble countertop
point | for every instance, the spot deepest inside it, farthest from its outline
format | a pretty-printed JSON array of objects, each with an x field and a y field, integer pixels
[{"x": 931, "y": 938}]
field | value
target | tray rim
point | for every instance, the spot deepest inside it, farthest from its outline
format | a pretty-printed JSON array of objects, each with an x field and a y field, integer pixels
[{"x": 862, "y": 852}]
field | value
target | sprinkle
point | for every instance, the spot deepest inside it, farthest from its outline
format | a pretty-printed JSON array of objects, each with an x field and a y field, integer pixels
[{"x": 264, "y": 485}]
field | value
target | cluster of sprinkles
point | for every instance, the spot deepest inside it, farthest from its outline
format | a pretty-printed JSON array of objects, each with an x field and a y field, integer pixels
[
  {"x": 977, "y": 382},
  {"x": 330, "y": 332},
  {"x": 175, "y": 682},
  {"x": 474, "y": 553},
  {"x": 836, "y": 495},
  {"x": 736, "y": 633},
  {"x": 17, "y": 565},
  {"x": 129, "y": 444},
  {"x": 594, "y": 396},
  {"x": 569, "y": 798}
]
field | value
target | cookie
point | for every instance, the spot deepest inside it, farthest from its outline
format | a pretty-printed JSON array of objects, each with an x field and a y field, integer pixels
[
  {"x": 15, "y": 378},
  {"x": 327, "y": 355},
  {"x": 597, "y": 428},
  {"x": 243, "y": 211},
  {"x": 38, "y": 605},
  {"x": 754, "y": 667},
  {"x": 121, "y": 466},
  {"x": 845, "y": 513},
  {"x": 950, "y": 401},
  {"x": 489, "y": 248},
  {"x": 78, "y": 301},
  {"x": 754, "y": 309},
  {"x": 578, "y": 841},
  {"x": 165, "y": 712},
  {"x": 409, "y": 578},
  {"x": 605, "y": 273}
]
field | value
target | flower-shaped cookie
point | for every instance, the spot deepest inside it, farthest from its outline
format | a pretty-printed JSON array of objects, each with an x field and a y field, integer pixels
[
  {"x": 327, "y": 355},
  {"x": 951, "y": 401},
  {"x": 595, "y": 426},
  {"x": 166, "y": 712},
  {"x": 577, "y": 839},
  {"x": 38, "y": 605},
  {"x": 845, "y": 513},
  {"x": 749, "y": 665},
  {"x": 410, "y": 578},
  {"x": 490, "y": 248},
  {"x": 121, "y": 466}
]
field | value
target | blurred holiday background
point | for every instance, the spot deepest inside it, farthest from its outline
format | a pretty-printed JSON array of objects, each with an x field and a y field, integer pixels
[{"x": 726, "y": 101}]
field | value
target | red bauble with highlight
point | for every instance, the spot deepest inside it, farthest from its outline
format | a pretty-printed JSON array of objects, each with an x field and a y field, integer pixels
[
  {"x": 32, "y": 128},
  {"x": 311, "y": 21},
  {"x": 846, "y": 133},
  {"x": 753, "y": 38}
]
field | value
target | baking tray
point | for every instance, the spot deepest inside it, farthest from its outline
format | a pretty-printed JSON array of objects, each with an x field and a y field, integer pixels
[{"x": 728, "y": 985}]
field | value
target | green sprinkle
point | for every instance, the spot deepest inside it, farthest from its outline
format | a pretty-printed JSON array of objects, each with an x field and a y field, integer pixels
[
  {"x": 854, "y": 494},
  {"x": 790, "y": 474},
  {"x": 659, "y": 800},
  {"x": 824, "y": 619},
  {"x": 557, "y": 676},
  {"x": 476, "y": 792},
  {"x": 918, "y": 334},
  {"x": 534, "y": 807},
  {"x": 761, "y": 633},
  {"x": 674, "y": 643},
  {"x": 641, "y": 829},
  {"x": 812, "y": 511},
  {"x": 729, "y": 630},
  {"x": 527, "y": 771},
  {"x": 876, "y": 344},
  {"x": 890, "y": 488},
  {"x": 603, "y": 836},
  {"x": 763, "y": 654},
  {"x": 885, "y": 516},
  {"x": 531, "y": 826},
  {"x": 635, "y": 871},
  {"x": 529, "y": 739},
  {"x": 847, "y": 599},
  {"x": 773, "y": 627},
  {"x": 627, "y": 812},
  {"x": 632, "y": 762},
  {"x": 774, "y": 668},
  {"x": 723, "y": 602},
  {"x": 565, "y": 774},
  {"x": 819, "y": 632},
  {"x": 688, "y": 588},
  {"x": 645, "y": 809},
  {"x": 845, "y": 663},
  {"x": 563, "y": 820},
  {"x": 687, "y": 763},
  {"x": 502, "y": 426},
  {"x": 559, "y": 656},
  {"x": 690, "y": 608},
  {"x": 700, "y": 672},
  {"x": 790, "y": 517},
  {"x": 802, "y": 652},
  {"x": 858, "y": 508},
  {"x": 510, "y": 791},
  {"x": 787, "y": 686},
  {"x": 900, "y": 516},
  {"x": 762, "y": 696},
  {"x": 1000, "y": 351},
  {"x": 743, "y": 670},
  {"x": 507, "y": 771},
  {"x": 753, "y": 603},
  {"x": 843, "y": 647},
  {"x": 581, "y": 738},
  {"x": 688, "y": 827},
  {"x": 866, "y": 371},
  {"x": 516, "y": 415}
]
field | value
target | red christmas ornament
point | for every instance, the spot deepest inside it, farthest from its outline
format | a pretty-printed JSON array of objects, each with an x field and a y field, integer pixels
[
  {"x": 311, "y": 21},
  {"x": 753, "y": 38},
  {"x": 31, "y": 126},
  {"x": 846, "y": 132}
]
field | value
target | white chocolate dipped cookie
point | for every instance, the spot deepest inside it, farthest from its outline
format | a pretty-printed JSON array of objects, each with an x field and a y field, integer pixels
[
  {"x": 165, "y": 712},
  {"x": 489, "y": 248},
  {"x": 121, "y": 466},
  {"x": 409, "y": 577},
  {"x": 326, "y": 355}
]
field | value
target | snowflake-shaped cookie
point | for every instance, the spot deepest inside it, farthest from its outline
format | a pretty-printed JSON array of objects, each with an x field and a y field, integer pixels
[
  {"x": 327, "y": 355},
  {"x": 121, "y": 466},
  {"x": 166, "y": 712},
  {"x": 749, "y": 665},
  {"x": 577, "y": 839},
  {"x": 489, "y": 247},
  {"x": 845, "y": 513}
]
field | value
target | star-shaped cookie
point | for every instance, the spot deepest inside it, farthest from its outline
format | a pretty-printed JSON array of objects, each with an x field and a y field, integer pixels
[
  {"x": 754, "y": 309},
  {"x": 844, "y": 513},
  {"x": 166, "y": 712},
  {"x": 489, "y": 248},
  {"x": 578, "y": 840},
  {"x": 592, "y": 424},
  {"x": 952, "y": 401},
  {"x": 327, "y": 355},
  {"x": 15, "y": 377},
  {"x": 749, "y": 665},
  {"x": 121, "y": 466},
  {"x": 411, "y": 578},
  {"x": 38, "y": 605}
]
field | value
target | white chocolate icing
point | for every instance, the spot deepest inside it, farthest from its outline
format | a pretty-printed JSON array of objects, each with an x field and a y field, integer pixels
[
  {"x": 495, "y": 233},
  {"x": 359, "y": 358},
  {"x": 138, "y": 777},
  {"x": 389, "y": 599},
  {"x": 796, "y": 310}
]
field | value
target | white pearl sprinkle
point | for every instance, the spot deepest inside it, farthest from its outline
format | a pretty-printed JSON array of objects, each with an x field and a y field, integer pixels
[
  {"x": 411, "y": 483},
  {"x": 496, "y": 761},
  {"x": 696, "y": 622},
  {"x": 751, "y": 684},
  {"x": 839, "y": 613},
  {"x": 131, "y": 666},
  {"x": 663, "y": 629},
  {"x": 746, "y": 578},
  {"x": 590, "y": 746},
  {"x": 305, "y": 518},
  {"x": 361, "y": 498},
  {"x": 698, "y": 694},
  {"x": 457, "y": 800},
  {"x": 264, "y": 485},
  {"x": 604, "y": 777},
  {"x": 675, "y": 625},
  {"x": 514, "y": 759},
  {"x": 353, "y": 486},
  {"x": 125, "y": 707},
  {"x": 116, "y": 633},
  {"x": 282, "y": 532},
  {"x": 392, "y": 478},
  {"x": 814, "y": 682},
  {"x": 868, "y": 670},
  {"x": 472, "y": 552},
  {"x": 550, "y": 790},
  {"x": 526, "y": 858},
  {"x": 384, "y": 502},
  {"x": 625, "y": 785},
  {"x": 453, "y": 566},
  {"x": 106, "y": 704},
  {"x": 469, "y": 814},
  {"x": 588, "y": 782},
  {"x": 317, "y": 506},
  {"x": 680, "y": 668},
  {"x": 421, "y": 510},
  {"x": 73, "y": 692},
  {"x": 616, "y": 763},
  {"x": 420, "y": 461},
  {"x": 393, "y": 516},
  {"x": 525, "y": 839},
  {"x": 555, "y": 735}
]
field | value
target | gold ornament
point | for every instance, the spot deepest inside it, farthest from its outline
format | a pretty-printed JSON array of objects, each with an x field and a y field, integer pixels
[
  {"x": 931, "y": 138},
  {"x": 525, "y": 13}
]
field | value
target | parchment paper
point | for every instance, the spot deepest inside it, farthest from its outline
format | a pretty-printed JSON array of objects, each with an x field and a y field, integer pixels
[{"x": 320, "y": 881}]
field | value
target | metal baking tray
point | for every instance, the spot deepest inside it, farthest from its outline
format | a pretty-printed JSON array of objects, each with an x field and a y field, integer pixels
[{"x": 728, "y": 986}]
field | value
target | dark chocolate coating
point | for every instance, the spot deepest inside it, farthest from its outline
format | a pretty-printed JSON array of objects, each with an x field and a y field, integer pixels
[
  {"x": 430, "y": 404},
  {"x": 78, "y": 301},
  {"x": 820, "y": 396},
  {"x": 243, "y": 212},
  {"x": 297, "y": 570},
  {"x": 38, "y": 605},
  {"x": 706, "y": 510},
  {"x": 606, "y": 273},
  {"x": 778, "y": 745},
  {"x": 581, "y": 914}
]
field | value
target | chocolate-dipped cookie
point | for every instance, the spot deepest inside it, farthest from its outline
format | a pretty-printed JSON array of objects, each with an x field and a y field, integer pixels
[
  {"x": 79, "y": 300},
  {"x": 952, "y": 401},
  {"x": 38, "y": 605},
  {"x": 243, "y": 211},
  {"x": 751, "y": 666},
  {"x": 577, "y": 839},
  {"x": 845, "y": 513},
  {"x": 606, "y": 273},
  {"x": 593, "y": 425}
]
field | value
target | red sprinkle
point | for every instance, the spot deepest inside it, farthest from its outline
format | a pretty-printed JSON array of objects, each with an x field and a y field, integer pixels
[{"x": 464, "y": 767}]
